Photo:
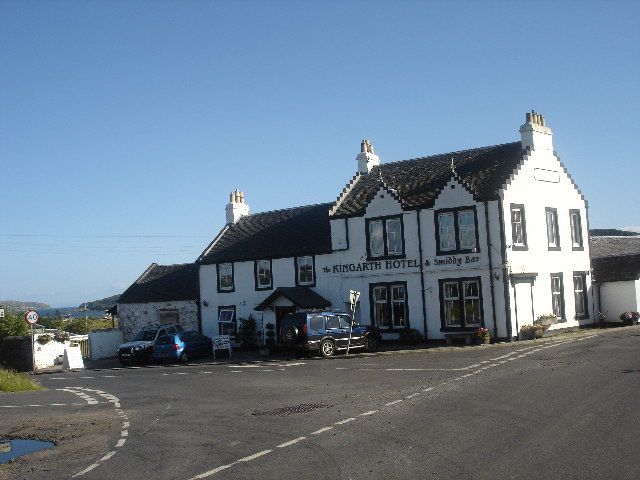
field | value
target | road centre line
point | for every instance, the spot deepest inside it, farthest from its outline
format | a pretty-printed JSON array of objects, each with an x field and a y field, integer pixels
[
  {"x": 291, "y": 442},
  {"x": 322, "y": 430},
  {"x": 347, "y": 420}
]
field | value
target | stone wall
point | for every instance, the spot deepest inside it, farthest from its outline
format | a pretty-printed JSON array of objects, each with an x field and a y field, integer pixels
[
  {"x": 15, "y": 353},
  {"x": 132, "y": 317}
]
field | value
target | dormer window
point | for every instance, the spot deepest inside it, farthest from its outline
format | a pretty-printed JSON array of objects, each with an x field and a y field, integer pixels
[{"x": 385, "y": 237}]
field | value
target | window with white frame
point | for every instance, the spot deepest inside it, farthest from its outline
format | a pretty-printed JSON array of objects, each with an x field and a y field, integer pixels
[
  {"x": 576, "y": 229},
  {"x": 518, "y": 229},
  {"x": 389, "y": 305},
  {"x": 305, "y": 271},
  {"x": 227, "y": 321},
  {"x": 553, "y": 234},
  {"x": 580, "y": 294},
  {"x": 456, "y": 231},
  {"x": 225, "y": 277},
  {"x": 385, "y": 237},
  {"x": 461, "y": 302},
  {"x": 557, "y": 295},
  {"x": 263, "y": 274}
]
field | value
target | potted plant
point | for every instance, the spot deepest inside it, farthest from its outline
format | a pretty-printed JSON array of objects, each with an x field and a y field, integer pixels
[
  {"x": 483, "y": 336},
  {"x": 529, "y": 332},
  {"x": 629, "y": 318}
]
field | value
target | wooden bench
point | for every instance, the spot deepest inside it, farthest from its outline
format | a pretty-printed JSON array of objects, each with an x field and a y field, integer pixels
[{"x": 467, "y": 336}]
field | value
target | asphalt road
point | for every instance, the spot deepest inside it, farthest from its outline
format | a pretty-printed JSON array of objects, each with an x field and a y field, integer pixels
[{"x": 562, "y": 408}]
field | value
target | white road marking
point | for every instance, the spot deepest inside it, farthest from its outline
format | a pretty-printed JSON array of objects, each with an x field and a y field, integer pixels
[
  {"x": 322, "y": 430},
  {"x": 291, "y": 442},
  {"x": 347, "y": 420},
  {"x": 254, "y": 456}
]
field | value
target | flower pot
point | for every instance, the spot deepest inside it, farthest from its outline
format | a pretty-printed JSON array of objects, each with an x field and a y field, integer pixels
[{"x": 483, "y": 340}]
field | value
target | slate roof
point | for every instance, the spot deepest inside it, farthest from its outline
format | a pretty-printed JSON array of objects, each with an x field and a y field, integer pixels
[
  {"x": 616, "y": 268},
  {"x": 163, "y": 283},
  {"x": 276, "y": 234},
  {"x": 417, "y": 182},
  {"x": 302, "y": 297},
  {"x": 607, "y": 246}
]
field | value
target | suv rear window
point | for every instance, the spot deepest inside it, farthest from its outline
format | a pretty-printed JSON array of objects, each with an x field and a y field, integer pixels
[{"x": 316, "y": 323}]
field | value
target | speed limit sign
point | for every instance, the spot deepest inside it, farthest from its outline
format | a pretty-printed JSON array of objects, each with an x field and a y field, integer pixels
[{"x": 31, "y": 317}]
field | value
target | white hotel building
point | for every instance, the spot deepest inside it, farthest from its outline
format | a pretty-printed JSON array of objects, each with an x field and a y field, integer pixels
[{"x": 493, "y": 236}]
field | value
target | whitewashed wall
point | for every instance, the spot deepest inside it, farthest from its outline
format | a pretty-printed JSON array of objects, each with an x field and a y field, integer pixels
[
  {"x": 619, "y": 297},
  {"x": 104, "y": 343},
  {"x": 542, "y": 182},
  {"x": 134, "y": 316}
]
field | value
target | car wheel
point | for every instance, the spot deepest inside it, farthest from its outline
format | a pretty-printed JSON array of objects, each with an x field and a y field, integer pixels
[
  {"x": 124, "y": 363},
  {"x": 184, "y": 358},
  {"x": 327, "y": 348},
  {"x": 371, "y": 343},
  {"x": 290, "y": 334}
]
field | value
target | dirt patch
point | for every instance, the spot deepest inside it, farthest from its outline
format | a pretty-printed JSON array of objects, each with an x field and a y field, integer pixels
[{"x": 80, "y": 439}]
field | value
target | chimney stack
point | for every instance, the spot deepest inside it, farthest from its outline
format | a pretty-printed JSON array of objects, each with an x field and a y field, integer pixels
[
  {"x": 367, "y": 159},
  {"x": 236, "y": 208},
  {"x": 535, "y": 134}
]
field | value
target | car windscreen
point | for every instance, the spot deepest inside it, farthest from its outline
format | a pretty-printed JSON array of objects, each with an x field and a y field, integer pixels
[
  {"x": 145, "y": 336},
  {"x": 166, "y": 340}
]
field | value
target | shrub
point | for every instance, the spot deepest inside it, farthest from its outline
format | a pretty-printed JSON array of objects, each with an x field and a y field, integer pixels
[
  {"x": 61, "y": 337},
  {"x": 629, "y": 317},
  {"x": 248, "y": 332},
  {"x": 529, "y": 332},
  {"x": 546, "y": 319},
  {"x": 410, "y": 336},
  {"x": 44, "y": 339}
]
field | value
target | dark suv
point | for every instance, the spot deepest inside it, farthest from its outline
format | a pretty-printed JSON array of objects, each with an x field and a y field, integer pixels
[
  {"x": 140, "y": 348},
  {"x": 326, "y": 332}
]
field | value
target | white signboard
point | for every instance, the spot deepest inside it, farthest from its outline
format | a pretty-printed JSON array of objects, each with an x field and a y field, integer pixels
[{"x": 221, "y": 342}]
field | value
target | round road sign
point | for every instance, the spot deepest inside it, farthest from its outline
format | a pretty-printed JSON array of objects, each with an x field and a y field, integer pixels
[{"x": 31, "y": 317}]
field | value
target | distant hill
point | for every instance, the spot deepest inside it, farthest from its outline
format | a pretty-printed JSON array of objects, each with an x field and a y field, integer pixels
[
  {"x": 103, "y": 304},
  {"x": 611, "y": 232},
  {"x": 17, "y": 306}
]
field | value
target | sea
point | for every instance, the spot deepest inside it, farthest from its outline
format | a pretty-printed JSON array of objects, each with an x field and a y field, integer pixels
[{"x": 69, "y": 312}]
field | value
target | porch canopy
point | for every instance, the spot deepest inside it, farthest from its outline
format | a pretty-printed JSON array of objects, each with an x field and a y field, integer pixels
[{"x": 301, "y": 297}]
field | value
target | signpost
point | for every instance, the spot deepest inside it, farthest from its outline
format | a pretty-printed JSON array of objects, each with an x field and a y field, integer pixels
[
  {"x": 1, "y": 311},
  {"x": 354, "y": 296},
  {"x": 31, "y": 317}
]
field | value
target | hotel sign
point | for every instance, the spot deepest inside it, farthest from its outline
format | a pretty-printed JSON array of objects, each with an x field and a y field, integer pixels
[{"x": 399, "y": 264}]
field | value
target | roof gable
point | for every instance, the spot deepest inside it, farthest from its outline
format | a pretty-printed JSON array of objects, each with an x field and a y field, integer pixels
[{"x": 418, "y": 182}]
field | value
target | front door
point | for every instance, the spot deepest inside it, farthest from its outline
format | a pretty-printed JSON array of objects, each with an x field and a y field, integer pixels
[{"x": 280, "y": 313}]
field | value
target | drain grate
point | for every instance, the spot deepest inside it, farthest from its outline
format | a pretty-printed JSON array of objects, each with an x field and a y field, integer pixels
[{"x": 286, "y": 411}]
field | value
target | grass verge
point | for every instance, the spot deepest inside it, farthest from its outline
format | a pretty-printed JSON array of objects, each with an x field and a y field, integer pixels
[{"x": 11, "y": 381}]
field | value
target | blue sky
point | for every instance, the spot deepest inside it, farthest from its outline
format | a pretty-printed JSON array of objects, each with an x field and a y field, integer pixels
[{"x": 124, "y": 125}]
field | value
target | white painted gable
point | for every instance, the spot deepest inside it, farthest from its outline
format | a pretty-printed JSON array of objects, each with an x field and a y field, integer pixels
[
  {"x": 383, "y": 204},
  {"x": 454, "y": 194}
]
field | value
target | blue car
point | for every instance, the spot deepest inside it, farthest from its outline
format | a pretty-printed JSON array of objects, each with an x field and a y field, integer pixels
[{"x": 181, "y": 346}]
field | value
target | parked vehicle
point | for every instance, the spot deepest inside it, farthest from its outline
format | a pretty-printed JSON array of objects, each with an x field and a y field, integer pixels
[
  {"x": 326, "y": 333},
  {"x": 140, "y": 348},
  {"x": 182, "y": 346}
]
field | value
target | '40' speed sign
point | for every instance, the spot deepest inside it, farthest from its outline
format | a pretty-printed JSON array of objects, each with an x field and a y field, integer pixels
[{"x": 31, "y": 317}]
